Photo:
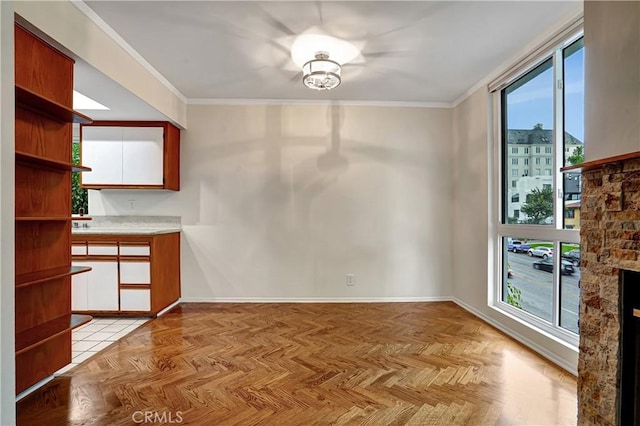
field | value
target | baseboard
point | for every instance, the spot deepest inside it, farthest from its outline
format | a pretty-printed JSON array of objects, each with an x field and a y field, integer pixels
[
  {"x": 519, "y": 337},
  {"x": 312, "y": 299},
  {"x": 34, "y": 387},
  {"x": 168, "y": 308}
]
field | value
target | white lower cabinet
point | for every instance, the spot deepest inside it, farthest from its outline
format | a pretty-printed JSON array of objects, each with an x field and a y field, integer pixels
[
  {"x": 79, "y": 288},
  {"x": 96, "y": 290},
  {"x": 131, "y": 274},
  {"x": 135, "y": 299}
]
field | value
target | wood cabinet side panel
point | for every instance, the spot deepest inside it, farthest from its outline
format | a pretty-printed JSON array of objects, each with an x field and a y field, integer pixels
[
  {"x": 165, "y": 270},
  {"x": 171, "y": 157},
  {"x": 42, "y": 69}
]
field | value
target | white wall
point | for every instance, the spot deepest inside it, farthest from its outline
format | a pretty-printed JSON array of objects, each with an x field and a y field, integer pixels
[
  {"x": 7, "y": 226},
  {"x": 281, "y": 202},
  {"x": 473, "y": 230},
  {"x": 612, "y": 78}
]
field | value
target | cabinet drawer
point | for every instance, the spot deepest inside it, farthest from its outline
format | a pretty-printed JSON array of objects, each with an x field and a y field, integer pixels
[
  {"x": 142, "y": 250},
  {"x": 135, "y": 300},
  {"x": 103, "y": 249},
  {"x": 79, "y": 250},
  {"x": 132, "y": 272}
]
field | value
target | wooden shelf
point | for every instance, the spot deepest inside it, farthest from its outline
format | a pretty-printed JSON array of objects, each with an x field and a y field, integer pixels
[
  {"x": 29, "y": 339},
  {"x": 37, "y": 277},
  {"x": 598, "y": 164},
  {"x": 34, "y": 102},
  {"x": 42, "y": 218},
  {"x": 39, "y": 161}
]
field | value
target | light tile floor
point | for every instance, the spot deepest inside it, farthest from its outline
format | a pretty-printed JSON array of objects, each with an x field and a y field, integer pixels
[{"x": 96, "y": 335}]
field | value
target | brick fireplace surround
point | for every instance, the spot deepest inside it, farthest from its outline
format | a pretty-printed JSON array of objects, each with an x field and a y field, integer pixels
[{"x": 610, "y": 242}]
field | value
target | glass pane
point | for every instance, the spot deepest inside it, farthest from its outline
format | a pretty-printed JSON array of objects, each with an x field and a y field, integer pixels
[
  {"x": 528, "y": 276},
  {"x": 528, "y": 117},
  {"x": 574, "y": 103},
  {"x": 569, "y": 289},
  {"x": 574, "y": 130},
  {"x": 572, "y": 195}
]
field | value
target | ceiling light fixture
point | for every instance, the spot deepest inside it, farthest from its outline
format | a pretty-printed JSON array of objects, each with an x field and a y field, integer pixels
[{"x": 321, "y": 73}]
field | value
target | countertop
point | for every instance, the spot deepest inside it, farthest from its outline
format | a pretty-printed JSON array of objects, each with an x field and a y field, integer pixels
[
  {"x": 123, "y": 231},
  {"x": 127, "y": 225}
]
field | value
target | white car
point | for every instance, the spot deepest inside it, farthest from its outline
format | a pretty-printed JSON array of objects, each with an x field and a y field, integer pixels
[{"x": 542, "y": 252}]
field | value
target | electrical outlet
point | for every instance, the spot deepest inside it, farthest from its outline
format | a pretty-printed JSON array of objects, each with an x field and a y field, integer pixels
[{"x": 351, "y": 280}]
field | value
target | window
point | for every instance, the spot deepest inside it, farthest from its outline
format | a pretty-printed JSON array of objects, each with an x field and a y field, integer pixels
[
  {"x": 514, "y": 183},
  {"x": 544, "y": 104},
  {"x": 514, "y": 161},
  {"x": 514, "y": 172},
  {"x": 514, "y": 150},
  {"x": 526, "y": 161}
]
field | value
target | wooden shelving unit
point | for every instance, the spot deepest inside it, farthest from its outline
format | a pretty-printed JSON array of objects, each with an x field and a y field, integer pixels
[{"x": 44, "y": 116}]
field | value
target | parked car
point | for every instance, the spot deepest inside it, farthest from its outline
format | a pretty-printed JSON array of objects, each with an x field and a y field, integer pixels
[
  {"x": 518, "y": 246},
  {"x": 541, "y": 251},
  {"x": 546, "y": 264},
  {"x": 572, "y": 256}
]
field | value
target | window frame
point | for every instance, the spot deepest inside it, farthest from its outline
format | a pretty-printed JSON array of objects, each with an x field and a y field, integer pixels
[{"x": 555, "y": 233}]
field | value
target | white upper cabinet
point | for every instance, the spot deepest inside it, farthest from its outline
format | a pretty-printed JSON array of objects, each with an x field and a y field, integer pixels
[
  {"x": 102, "y": 148},
  {"x": 142, "y": 155},
  {"x": 131, "y": 156}
]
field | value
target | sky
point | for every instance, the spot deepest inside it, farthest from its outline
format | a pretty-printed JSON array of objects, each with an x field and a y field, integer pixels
[{"x": 532, "y": 103}]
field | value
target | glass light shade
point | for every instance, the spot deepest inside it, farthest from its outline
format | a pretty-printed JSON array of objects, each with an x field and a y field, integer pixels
[{"x": 321, "y": 73}]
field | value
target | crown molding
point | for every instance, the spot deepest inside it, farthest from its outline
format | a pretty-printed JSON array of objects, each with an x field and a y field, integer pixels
[
  {"x": 318, "y": 102},
  {"x": 93, "y": 17}
]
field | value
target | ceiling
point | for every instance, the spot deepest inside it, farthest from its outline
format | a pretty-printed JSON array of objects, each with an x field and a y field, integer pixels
[{"x": 415, "y": 51}]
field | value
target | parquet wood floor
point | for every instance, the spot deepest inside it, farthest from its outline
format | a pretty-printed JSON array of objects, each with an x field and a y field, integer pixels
[{"x": 309, "y": 364}]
